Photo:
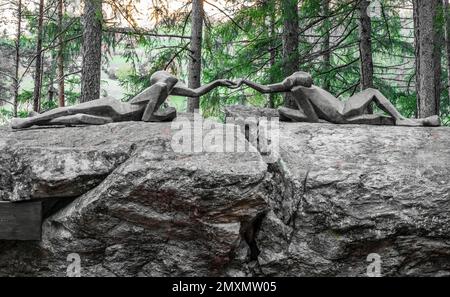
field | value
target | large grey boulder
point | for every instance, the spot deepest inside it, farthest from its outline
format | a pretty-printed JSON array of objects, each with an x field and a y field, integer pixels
[
  {"x": 130, "y": 205},
  {"x": 141, "y": 208},
  {"x": 339, "y": 193},
  {"x": 344, "y": 192}
]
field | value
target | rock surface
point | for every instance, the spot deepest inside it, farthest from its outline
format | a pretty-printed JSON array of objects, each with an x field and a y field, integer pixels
[
  {"x": 341, "y": 193},
  {"x": 137, "y": 208},
  {"x": 142, "y": 209},
  {"x": 236, "y": 111}
]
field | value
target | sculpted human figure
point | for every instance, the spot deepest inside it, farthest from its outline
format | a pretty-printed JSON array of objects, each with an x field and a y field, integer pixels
[
  {"x": 315, "y": 103},
  {"x": 145, "y": 106}
]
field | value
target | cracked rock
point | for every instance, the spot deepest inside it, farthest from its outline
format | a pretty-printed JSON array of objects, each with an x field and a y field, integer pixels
[
  {"x": 142, "y": 209},
  {"x": 337, "y": 194},
  {"x": 341, "y": 192}
]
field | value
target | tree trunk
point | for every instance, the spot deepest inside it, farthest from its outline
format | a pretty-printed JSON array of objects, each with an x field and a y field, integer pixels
[
  {"x": 427, "y": 57},
  {"x": 60, "y": 57},
  {"x": 92, "y": 50},
  {"x": 195, "y": 63},
  {"x": 365, "y": 48},
  {"x": 416, "y": 52},
  {"x": 440, "y": 41},
  {"x": 51, "y": 91},
  {"x": 273, "y": 52},
  {"x": 289, "y": 9},
  {"x": 17, "y": 58},
  {"x": 37, "y": 74},
  {"x": 326, "y": 43},
  {"x": 447, "y": 46}
]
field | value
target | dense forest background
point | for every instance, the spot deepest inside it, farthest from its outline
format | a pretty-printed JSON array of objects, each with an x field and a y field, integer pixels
[{"x": 62, "y": 52}]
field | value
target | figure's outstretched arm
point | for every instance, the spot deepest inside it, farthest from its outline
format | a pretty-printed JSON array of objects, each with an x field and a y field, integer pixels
[
  {"x": 188, "y": 92},
  {"x": 273, "y": 88}
]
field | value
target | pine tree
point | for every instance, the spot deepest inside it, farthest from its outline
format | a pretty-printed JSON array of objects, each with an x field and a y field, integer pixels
[
  {"x": 38, "y": 59},
  {"x": 427, "y": 57},
  {"x": 60, "y": 55},
  {"x": 17, "y": 57},
  {"x": 289, "y": 10},
  {"x": 92, "y": 50},
  {"x": 195, "y": 61}
]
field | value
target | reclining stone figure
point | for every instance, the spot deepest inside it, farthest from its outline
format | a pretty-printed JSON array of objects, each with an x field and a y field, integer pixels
[
  {"x": 315, "y": 103},
  {"x": 145, "y": 106}
]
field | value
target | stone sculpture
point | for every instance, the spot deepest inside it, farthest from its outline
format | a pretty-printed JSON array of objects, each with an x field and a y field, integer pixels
[
  {"x": 145, "y": 106},
  {"x": 315, "y": 103}
]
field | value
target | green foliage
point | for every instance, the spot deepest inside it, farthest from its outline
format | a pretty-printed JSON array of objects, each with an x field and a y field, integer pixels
[
  {"x": 232, "y": 51},
  {"x": 446, "y": 120},
  {"x": 72, "y": 97},
  {"x": 22, "y": 113},
  {"x": 51, "y": 34},
  {"x": 48, "y": 105},
  {"x": 25, "y": 96},
  {"x": 5, "y": 113},
  {"x": 245, "y": 43}
]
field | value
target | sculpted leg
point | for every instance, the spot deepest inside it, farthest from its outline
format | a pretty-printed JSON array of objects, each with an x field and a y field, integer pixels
[
  {"x": 105, "y": 107},
  {"x": 162, "y": 115},
  {"x": 294, "y": 115},
  {"x": 432, "y": 121},
  {"x": 371, "y": 119},
  {"x": 357, "y": 104},
  {"x": 80, "y": 119},
  {"x": 41, "y": 119}
]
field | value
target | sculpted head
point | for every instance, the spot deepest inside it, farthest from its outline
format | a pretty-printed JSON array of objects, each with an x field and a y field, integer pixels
[
  {"x": 163, "y": 77},
  {"x": 299, "y": 78}
]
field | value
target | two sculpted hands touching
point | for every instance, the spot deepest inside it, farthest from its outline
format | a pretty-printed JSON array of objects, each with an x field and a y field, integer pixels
[{"x": 313, "y": 104}]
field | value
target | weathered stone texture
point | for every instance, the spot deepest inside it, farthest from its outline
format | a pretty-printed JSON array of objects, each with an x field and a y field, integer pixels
[
  {"x": 143, "y": 209},
  {"x": 343, "y": 192},
  {"x": 134, "y": 207}
]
